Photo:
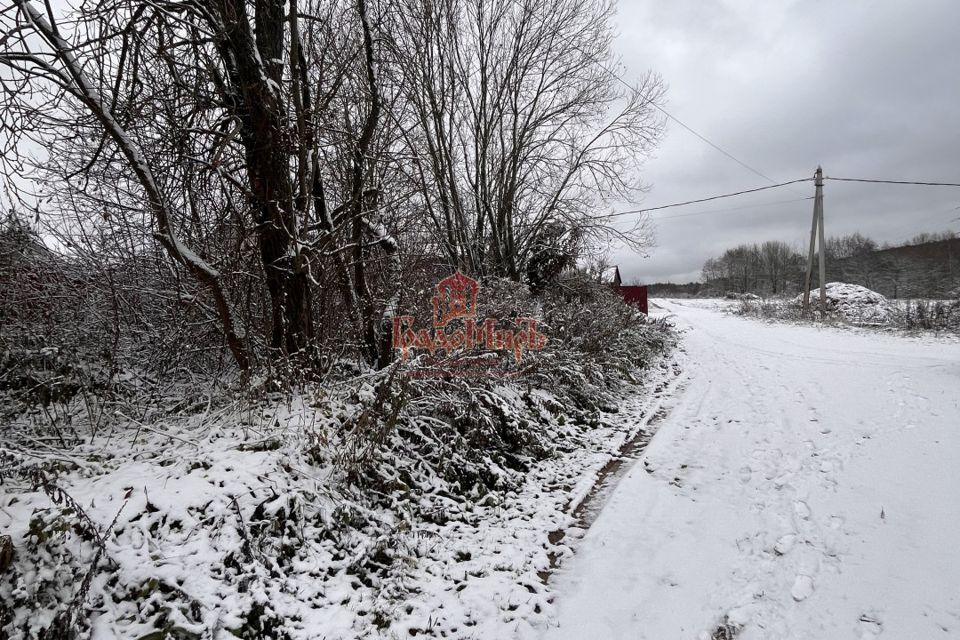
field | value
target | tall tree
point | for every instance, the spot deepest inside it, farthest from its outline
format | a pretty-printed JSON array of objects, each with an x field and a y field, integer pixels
[
  {"x": 780, "y": 264},
  {"x": 216, "y": 111},
  {"x": 519, "y": 123}
]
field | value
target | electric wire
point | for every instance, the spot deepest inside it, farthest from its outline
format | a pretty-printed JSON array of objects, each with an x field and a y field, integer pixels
[
  {"x": 743, "y": 164},
  {"x": 727, "y": 209},
  {"x": 699, "y": 200},
  {"x": 765, "y": 188},
  {"x": 715, "y": 146},
  {"x": 729, "y": 155},
  {"x": 875, "y": 181},
  {"x": 669, "y": 115}
]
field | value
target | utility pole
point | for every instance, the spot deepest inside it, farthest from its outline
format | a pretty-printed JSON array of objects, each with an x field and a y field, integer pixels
[
  {"x": 817, "y": 226},
  {"x": 818, "y": 204}
]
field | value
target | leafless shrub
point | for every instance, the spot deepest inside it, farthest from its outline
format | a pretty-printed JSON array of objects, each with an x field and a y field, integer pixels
[{"x": 928, "y": 315}]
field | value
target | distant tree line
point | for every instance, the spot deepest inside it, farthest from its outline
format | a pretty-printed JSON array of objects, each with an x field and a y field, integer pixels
[
  {"x": 770, "y": 267},
  {"x": 927, "y": 266}
]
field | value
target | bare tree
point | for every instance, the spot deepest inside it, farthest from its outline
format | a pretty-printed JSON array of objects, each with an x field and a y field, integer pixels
[
  {"x": 714, "y": 273},
  {"x": 518, "y": 125},
  {"x": 217, "y": 111},
  {"x": 57, "y": 62},
  {"x": 849, "y": 246},
  {"x": 781, "y": 264}
]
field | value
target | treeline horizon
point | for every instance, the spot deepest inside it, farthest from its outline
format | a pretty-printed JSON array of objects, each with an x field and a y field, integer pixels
[{"x": 926, "y": 265}]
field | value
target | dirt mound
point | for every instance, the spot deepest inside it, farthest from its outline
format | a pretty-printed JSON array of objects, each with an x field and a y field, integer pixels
[{"x": 853, "y": 303}]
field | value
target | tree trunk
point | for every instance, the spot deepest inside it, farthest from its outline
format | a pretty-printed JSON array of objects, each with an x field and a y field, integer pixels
[{"x": 256, "y": 75}]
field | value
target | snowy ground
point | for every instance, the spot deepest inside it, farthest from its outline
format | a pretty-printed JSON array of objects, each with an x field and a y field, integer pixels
[
  {"x": 222, "y": 525},
  {"x": 805, "y": 485}
]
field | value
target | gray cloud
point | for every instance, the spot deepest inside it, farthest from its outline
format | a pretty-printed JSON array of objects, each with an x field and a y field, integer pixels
[{"x": 867, "y": 88}]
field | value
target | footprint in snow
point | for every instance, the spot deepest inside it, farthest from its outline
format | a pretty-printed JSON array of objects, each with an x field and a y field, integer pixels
[
  {"x": 869, "y": 626},
  {"x": 802, "y": 588},
  {"x": 782, "y": 480},
  {"x": 784, "y": 544}
]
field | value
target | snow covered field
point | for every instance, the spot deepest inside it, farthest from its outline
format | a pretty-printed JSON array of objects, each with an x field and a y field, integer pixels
[{"x": 806, "y": 485}]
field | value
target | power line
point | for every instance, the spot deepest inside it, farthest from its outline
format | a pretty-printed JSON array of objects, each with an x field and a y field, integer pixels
[
  {"x": 717, "y": 147},
  {"x": 765, "y": 188},
  {"x": 923, "y": 184},
  {"x": 688, "y": 202},
  {"x": 617, "y": 77},
  {"x": 726, "y": 209}
]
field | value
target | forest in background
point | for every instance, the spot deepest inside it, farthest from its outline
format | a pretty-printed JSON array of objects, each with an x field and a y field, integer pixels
[{"x": 926, "y": 266}]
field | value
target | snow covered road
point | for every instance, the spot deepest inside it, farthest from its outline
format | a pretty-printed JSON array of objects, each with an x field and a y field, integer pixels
[{"x": 806, "y": 484}]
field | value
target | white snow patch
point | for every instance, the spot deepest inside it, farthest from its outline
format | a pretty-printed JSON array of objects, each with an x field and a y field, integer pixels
[{"x": 853, "y": 303}]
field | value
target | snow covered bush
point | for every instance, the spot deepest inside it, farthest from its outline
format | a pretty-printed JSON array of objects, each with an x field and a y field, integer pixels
[
  {"x": 929, "y": 315},
  {"x": 202, "y": 512},
  {"x": 596, "y": 340},
  {"x": 847, "y": 303},
  {"x": 852, "y": 304},
  {"x": 474, "y": 431},
  {"x": 774, "y": 309}
]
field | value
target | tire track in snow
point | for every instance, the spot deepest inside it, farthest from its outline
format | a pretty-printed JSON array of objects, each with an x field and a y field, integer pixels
[
  {"x": 763, "y": 504},
  {"x": 585, "y": 510}
]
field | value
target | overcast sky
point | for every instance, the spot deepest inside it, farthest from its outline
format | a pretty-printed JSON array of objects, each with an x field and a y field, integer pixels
[{"x": 867, "y": 88}]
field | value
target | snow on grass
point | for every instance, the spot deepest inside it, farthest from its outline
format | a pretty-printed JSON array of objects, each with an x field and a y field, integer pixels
[{"x": 244, "y": 521}]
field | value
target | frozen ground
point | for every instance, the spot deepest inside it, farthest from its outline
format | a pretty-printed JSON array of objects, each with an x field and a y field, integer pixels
[
  {"x": 806, "y": 485},
  {"x": 235, "y": 521}
]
